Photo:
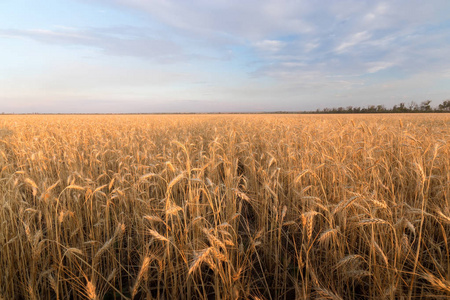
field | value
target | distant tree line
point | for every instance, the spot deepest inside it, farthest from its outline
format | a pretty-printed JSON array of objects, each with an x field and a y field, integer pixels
[{"x": 412, "y": 107}]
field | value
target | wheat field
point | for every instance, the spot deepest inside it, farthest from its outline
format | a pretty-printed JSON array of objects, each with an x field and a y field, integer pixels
[{"x": 225, "y": 207}]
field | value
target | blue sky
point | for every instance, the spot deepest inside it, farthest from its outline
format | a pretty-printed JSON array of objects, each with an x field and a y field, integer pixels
[{"x": 207, "y": 56}]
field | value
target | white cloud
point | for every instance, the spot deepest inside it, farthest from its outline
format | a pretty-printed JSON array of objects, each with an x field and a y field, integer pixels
[
  {"x": 378, "y": 12},
  {"x": 353, "y": 40},
  {"x": 269, "y": 45},
  {"x": 374, "y": 67},
  {"x": 311, "y": 46},
  {"x": 293, "y": 64},
  {"x": 112, "y": 42},
  {"x": 251, "y": 20}
]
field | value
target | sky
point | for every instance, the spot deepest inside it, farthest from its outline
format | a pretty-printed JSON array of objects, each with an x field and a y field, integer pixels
[{"x": 136, "y": 56}]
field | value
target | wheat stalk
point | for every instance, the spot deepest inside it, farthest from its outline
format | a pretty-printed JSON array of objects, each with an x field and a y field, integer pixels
[
  {"x": 142, "y": 272},
  {"x": 200, "y": 257}
]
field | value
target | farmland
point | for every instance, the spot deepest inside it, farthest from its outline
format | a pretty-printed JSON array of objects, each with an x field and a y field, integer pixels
[{"x": 225, "y": 206}]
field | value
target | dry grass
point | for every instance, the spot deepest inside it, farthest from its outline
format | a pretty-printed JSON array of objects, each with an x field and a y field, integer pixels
[{"x": 225, "y": 207}]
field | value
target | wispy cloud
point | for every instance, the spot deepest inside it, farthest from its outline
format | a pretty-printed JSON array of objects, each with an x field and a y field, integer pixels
[
  {"x": 269, "y": 45},
  {"x": 374, "y": 67},
  {"x": 353, "y": 40},
  {"x": 119, "y": 41},
  {"x": 250, "y": 20}
]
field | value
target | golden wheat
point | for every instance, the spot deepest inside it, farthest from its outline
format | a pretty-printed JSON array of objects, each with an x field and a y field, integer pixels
[{"x": 225, "y": 207}]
